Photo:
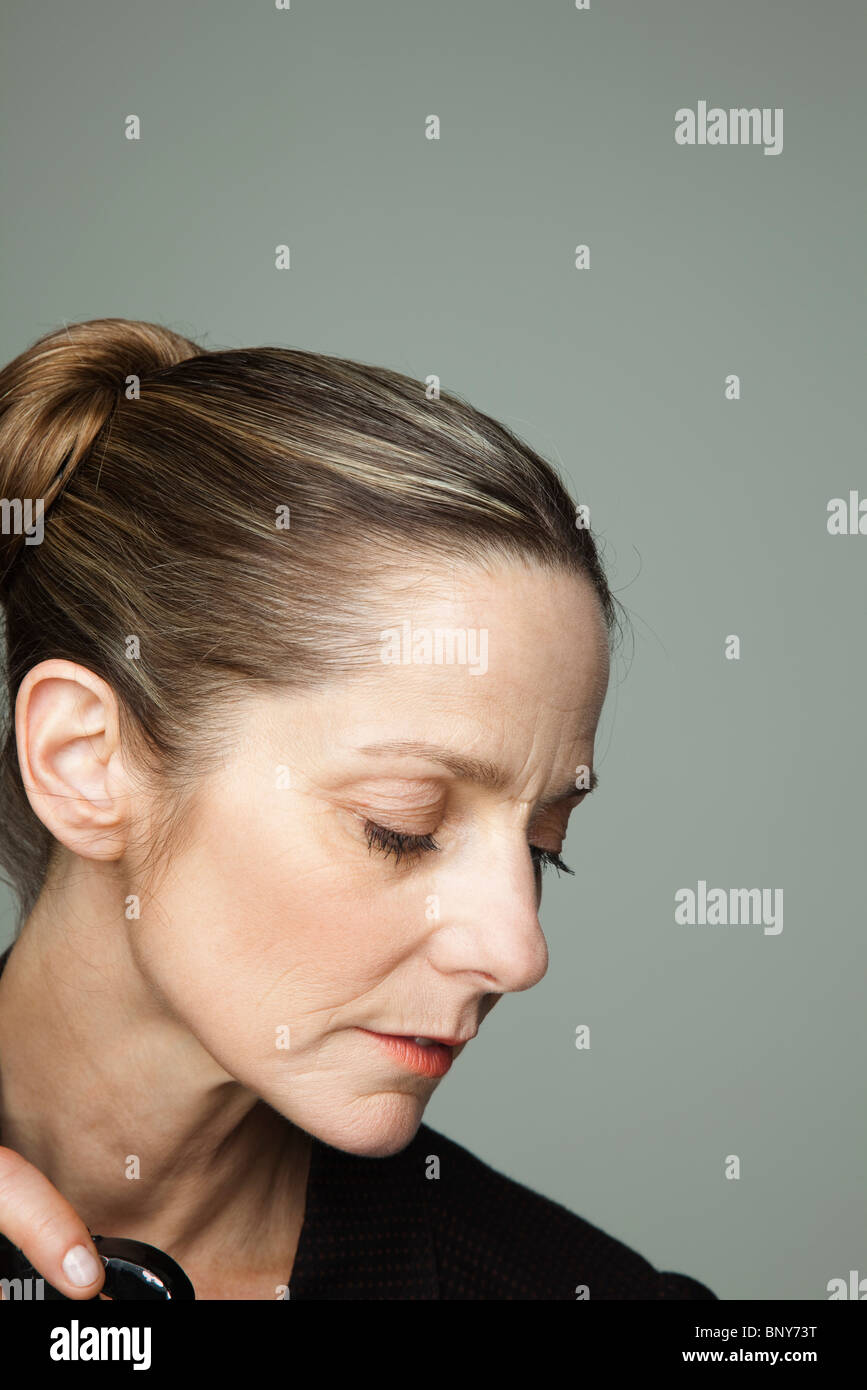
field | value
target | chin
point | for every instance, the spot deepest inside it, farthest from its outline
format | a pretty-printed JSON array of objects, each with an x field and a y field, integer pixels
[{"x": 372, "y": 1126}]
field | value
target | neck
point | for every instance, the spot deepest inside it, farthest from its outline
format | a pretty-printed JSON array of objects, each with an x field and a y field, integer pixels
[{"x": 126, "y": 1114}]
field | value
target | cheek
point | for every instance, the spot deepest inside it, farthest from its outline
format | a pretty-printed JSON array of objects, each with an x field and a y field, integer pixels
[{"x": 276, "y": 919}]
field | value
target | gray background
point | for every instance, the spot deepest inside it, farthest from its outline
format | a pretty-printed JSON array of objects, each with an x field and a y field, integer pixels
[{"x": 456, "y": 257}]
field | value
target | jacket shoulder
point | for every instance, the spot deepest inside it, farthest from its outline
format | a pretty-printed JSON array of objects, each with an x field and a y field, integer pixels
[{"x": 495, "y": 1238}]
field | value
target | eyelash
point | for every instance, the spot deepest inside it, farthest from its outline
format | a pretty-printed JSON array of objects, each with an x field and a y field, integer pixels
[
  {"x": 411, "y": 846},
  {"x": 393, "y": 842}
]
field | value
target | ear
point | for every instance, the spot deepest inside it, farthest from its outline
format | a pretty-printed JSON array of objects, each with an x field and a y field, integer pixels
[{"x": 68, "y": 736}]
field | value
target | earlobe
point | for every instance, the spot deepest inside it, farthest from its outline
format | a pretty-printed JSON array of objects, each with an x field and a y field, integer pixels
[{"x": 67, "y": 735}]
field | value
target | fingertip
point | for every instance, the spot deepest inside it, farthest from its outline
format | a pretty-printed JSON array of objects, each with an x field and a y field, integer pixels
[{"x": 83, "y": 1270}]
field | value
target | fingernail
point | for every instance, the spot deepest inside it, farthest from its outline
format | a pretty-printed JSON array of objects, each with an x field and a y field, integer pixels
[{"x": 80, "y": 1267}]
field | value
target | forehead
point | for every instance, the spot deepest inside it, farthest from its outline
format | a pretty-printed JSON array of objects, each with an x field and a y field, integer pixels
[
  {"x": 508, "y": 662},
  {"x": 521, "y": 632}
]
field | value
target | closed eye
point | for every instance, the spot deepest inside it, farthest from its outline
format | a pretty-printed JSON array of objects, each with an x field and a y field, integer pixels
[
  {"x": 393, "y": 842},
  {"x": 404, "y": 846}
]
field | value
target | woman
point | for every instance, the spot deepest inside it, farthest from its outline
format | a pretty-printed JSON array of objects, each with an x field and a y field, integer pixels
[{"x": 305, "y": 669}]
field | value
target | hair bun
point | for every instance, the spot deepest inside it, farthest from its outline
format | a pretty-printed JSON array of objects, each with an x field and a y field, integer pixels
[{"x": 56, "y": 396}]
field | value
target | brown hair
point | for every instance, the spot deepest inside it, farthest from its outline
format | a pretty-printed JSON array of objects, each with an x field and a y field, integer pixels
[{"x": 165, "y": 470}]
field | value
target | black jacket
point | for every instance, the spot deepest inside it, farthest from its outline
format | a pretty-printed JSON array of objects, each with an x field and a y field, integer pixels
[{"x": 381, "y": 1228}]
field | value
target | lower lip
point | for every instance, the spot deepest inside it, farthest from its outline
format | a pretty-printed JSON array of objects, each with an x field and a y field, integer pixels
[{"x": 433, "y": 1061}]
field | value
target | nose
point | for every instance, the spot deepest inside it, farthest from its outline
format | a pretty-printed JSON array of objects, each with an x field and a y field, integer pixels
[{"x": 488, "y": 908}]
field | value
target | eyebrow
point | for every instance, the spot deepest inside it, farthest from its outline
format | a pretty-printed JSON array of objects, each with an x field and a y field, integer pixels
[{"x": 487, "y": 774}]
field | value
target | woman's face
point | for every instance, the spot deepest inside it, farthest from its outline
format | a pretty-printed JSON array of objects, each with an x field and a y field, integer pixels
[{"x": 284, "y": 941}]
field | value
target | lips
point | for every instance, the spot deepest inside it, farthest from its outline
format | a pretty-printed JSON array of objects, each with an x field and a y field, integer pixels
[
  {"x": 444, "y": 1040},
  {"x": 424, "y": 1040},
  {"x": 431, "y": 1058}
]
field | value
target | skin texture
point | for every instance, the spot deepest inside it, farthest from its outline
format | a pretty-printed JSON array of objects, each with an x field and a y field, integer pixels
[{"x": 157, "y": 1036}]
